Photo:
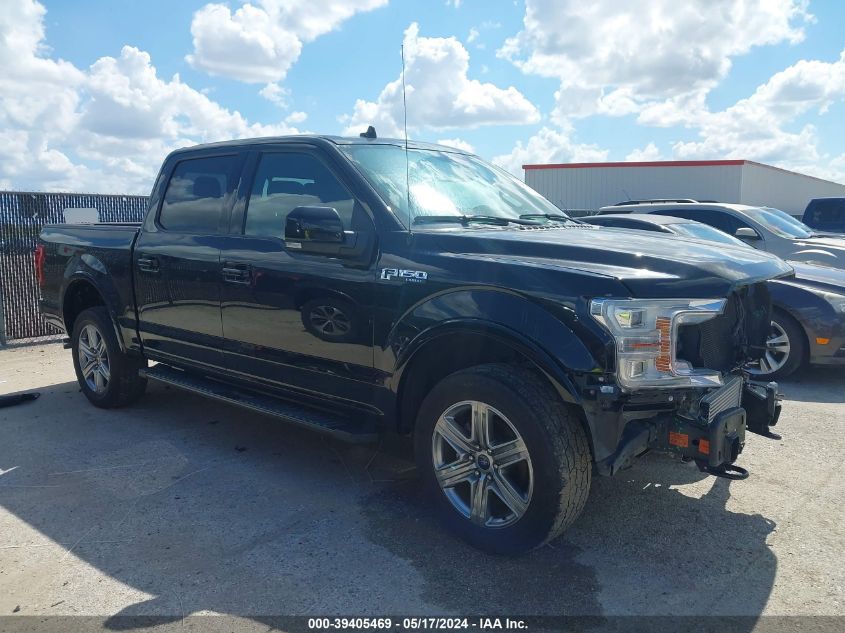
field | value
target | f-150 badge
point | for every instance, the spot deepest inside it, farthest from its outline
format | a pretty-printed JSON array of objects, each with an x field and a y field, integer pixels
[{"x": 413, "y": 276}]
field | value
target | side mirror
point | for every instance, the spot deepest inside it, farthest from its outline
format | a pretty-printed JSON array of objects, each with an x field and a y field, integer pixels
[
  {"x": 314, "y": 225},
  {"x": 746, "y": 233}
]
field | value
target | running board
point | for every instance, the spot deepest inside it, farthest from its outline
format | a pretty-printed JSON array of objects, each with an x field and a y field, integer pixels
[{"x": 339, "y": 427}]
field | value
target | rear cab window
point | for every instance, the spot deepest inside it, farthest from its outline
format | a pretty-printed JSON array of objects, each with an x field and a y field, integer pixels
[
  {"x": 198, "y": 194},
  {"x": 826, "y": 213}
]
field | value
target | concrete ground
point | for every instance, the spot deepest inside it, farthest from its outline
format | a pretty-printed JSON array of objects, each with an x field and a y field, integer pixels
[{"x": 178, "y": 505}]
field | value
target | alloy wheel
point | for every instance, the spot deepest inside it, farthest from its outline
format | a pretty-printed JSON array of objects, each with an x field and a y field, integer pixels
[
  {"x": 94, "y": 359},
  {"x": 482, "y": 464},
  {"x": 777, "y": 352}
]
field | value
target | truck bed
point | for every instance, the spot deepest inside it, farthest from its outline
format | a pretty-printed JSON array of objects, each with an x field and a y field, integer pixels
[{"x": 102, "y": 250}]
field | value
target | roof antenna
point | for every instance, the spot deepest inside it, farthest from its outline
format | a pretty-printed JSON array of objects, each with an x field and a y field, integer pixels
[
  {"x": 623, "y": 191},
  {"x": 407, "y": 161},
  {"x": 370, "y": 133}
]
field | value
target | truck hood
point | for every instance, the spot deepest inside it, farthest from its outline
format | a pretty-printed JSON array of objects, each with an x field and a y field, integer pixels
[{"x": 650, "y": 265}]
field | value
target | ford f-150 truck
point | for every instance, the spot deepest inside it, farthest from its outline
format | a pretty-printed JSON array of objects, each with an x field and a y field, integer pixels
[{"x": 358, "y": 286}]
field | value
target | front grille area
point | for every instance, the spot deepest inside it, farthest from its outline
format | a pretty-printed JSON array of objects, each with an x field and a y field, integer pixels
[
  {"x": 727, "y": 397},
  {"x": 732, "y": 338}
]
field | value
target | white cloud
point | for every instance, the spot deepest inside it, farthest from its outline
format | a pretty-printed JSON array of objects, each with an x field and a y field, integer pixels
[
  {"x": 759, "y": 127},
  {"x": 296, "y": 117},
  {"x": 648, "y": 153},
  {"x": 550, "y": 146},
  {"x": 659, "y": 60},
  {"x": 104, "y": 129},
  {"x": 647, "y": 49},
  {"x": 258, "y": 43},
  {"x": 275, "y": 94},
  {"x": 473, "y": 35},
  {"x": 457, "y": 143},
  {"x": 440, "y": 95}
]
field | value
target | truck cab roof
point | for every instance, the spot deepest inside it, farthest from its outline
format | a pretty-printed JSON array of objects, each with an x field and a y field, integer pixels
[{"x": 318, "y": 139}]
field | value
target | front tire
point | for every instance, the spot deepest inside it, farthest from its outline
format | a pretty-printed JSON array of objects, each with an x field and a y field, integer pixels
[
  {"x": 108, "y": 377},
  {"x": 506, "y": 462},
  {"x": 785, "y": 349}
]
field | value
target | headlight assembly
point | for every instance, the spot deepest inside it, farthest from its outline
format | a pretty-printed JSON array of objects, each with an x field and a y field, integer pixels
[{"x": 646, "y": 334}]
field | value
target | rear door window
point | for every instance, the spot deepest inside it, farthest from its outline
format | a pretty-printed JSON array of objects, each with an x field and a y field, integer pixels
[{"x": 198, "y": 194}]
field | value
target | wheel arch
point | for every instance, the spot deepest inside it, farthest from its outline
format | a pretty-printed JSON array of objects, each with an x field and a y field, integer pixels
[
  {"x": 785, "y": 311},
  {"x": 83, "y": 292},
  {"x": 465, "y": 344}
]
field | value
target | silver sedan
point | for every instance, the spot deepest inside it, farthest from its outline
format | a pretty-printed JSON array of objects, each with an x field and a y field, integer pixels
[{"x": 764, "y": 228}]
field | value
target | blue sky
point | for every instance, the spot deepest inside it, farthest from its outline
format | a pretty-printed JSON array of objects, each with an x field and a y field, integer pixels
[{"x": 93, "y": 94}]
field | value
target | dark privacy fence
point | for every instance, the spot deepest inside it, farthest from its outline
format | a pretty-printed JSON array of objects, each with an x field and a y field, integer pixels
[{"x": 21, "y": 217}]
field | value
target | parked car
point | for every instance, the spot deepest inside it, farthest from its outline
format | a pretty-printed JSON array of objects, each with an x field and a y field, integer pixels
[
  {"x": 521, "y": 349},
  {"x": 808, "y": 320},
  {"x": 764, "y": 228},
  {"x": 826, "y": 214}
]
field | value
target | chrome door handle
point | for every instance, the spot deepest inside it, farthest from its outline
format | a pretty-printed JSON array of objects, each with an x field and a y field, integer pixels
[
  {"x": 148, "y": 264},
  {"x": 235, "y": 273}
]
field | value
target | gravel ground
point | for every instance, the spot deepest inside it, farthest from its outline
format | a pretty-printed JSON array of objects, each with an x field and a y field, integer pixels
[{"x": 179, "y": 505}]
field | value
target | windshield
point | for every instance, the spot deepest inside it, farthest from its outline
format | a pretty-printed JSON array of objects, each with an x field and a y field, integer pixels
[
  {"x": 706, "y": 232},
  {"x": 779, "y": 222},
  {"x": 446, "y": 184}
]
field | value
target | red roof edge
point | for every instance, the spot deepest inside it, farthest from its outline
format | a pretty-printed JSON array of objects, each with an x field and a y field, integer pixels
[{"x": 650, "y": 163}]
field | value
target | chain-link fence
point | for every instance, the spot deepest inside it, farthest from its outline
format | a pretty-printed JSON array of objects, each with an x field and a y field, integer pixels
[{"x": 22, "y": 215}]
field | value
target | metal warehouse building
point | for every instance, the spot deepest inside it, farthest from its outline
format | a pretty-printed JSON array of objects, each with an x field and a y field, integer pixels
[{"x": 589, "y": 186}]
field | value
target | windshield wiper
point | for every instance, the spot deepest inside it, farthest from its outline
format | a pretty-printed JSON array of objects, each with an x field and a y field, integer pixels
[
  {"x": 555, "y": 217},
  {"x": 466, "y": 219}
]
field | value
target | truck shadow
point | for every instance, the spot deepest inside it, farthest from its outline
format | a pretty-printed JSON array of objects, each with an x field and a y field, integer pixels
[
  {"x": 641, "y": 547},
  {"x": 813, "y": 384},
  {"x": 196, "y": 507}
]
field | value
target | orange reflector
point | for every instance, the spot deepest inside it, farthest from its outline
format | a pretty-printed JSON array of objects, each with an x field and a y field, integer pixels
[
  {"x": 664, "y": 356},
  {"x": 822, "y": 340},
  {"x": 678, "y": 439},
  {"x": 703, "y": 446}
]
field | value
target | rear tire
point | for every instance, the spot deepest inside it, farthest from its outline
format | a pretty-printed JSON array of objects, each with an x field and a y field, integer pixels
[
  {"x": 497, "y": 494},
  {"x": 108, "y": 377}
]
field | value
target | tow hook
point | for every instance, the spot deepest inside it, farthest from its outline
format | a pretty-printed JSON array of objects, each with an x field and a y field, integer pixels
[{"x": 728, "y": 471}]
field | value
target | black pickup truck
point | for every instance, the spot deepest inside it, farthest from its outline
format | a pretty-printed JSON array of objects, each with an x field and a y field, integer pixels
[{"x": 357, "y": 286}]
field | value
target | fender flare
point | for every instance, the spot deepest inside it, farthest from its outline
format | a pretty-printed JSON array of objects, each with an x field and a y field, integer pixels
[
  {"x": 79, "y": 272},
  {"x": 503, "y": 335}
]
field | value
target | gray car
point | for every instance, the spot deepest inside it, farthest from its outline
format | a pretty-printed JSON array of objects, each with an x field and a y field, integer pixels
[{"x": 764, "y": 228}]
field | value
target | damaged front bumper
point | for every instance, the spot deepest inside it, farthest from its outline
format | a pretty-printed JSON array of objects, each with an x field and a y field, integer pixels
[{"x": 712, "y": 433}]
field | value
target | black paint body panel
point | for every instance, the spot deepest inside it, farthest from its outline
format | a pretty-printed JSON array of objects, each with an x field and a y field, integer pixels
[{"x": 526, "y": 290}]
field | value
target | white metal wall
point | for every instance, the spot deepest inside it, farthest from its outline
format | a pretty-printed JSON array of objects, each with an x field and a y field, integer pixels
[
  {"x": 595, "y": 187},
  {"x": 589, "y": 188},
  {"x": 768, "y": 186}
]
